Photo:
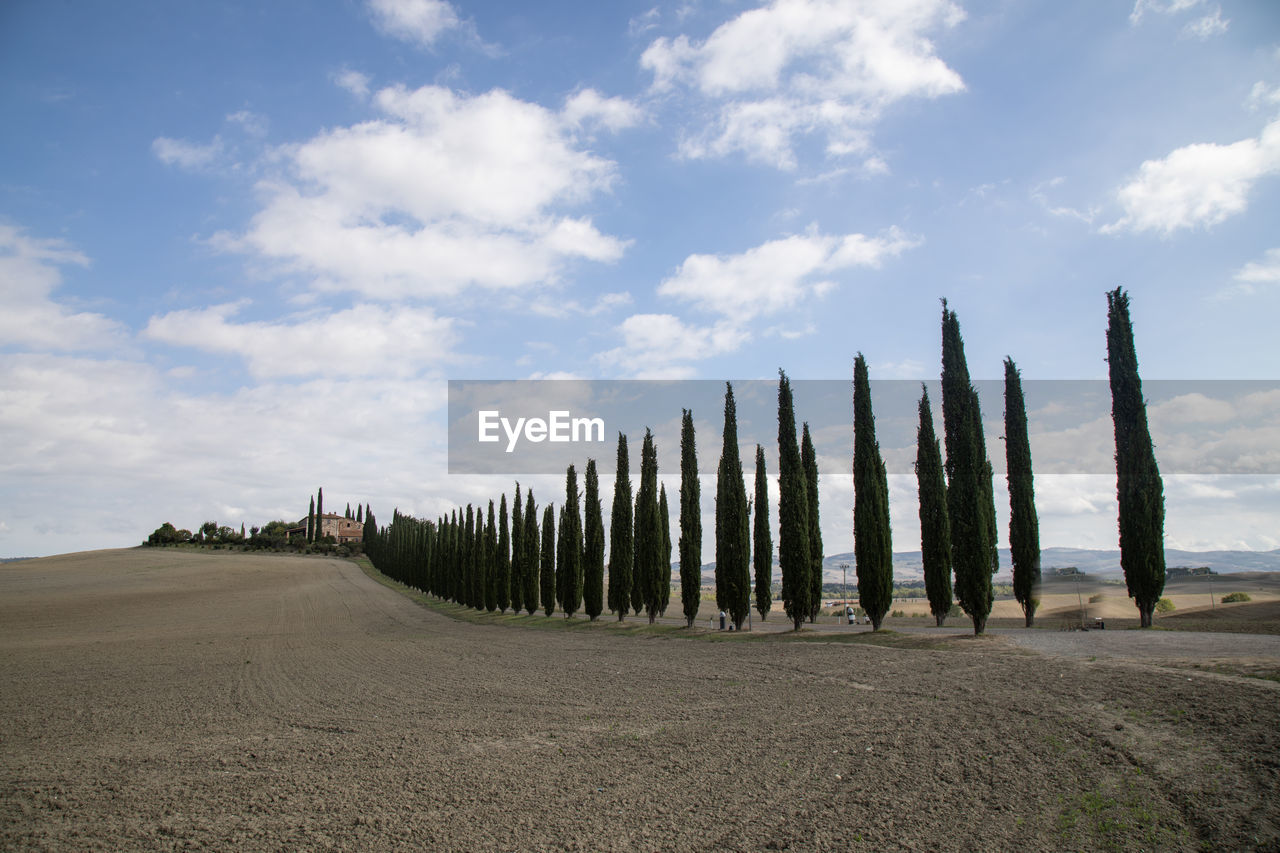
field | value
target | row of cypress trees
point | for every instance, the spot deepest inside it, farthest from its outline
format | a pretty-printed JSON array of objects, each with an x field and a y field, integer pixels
[{"x": 491, "y": 564}]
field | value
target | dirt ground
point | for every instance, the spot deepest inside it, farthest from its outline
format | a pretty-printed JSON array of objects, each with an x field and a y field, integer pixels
[{"x": 167, "y": 700}]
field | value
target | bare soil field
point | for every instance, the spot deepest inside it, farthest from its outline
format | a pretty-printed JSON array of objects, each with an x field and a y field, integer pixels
[{"x": 168, "y": 700}]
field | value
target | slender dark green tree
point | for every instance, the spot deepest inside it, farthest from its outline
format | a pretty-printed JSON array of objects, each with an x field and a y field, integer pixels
[
  {"x": 502, "y": 560},
  {"x": 809, "y": 459},
  {"x": 489, "y": 570},
  {"x": 793, "y": 512},
  {"x": 733, "y": 532},
  {"x": 762, "y": 539},
  {"x": 664, "y": 513},
  {"x": 517, "y": 582},
  {"x": 593, "y": 547},
  {"x": 935, "y": 526},
  {"x": 648, "y": 533},
  {"x": 319, "y": 531},
  {"x": 970, "y": 503},
  {"x": 1024, "y": 525},
  {"x": 548, "y": 572},
  {"x": 360, "y": 514},
  {"x": 569, "y": 559},
  {"x": 466, "y": 588},
  {"x": 872, "y": 538},
  {"x": 690, "y": 523},
  {"x": 1139, "y": 488},
  {"x": 348, "y": 512},
  {"x": 621, "y": 536},
  {"x": 311, "y": 520},
  {"x": 531, "y": 555}
]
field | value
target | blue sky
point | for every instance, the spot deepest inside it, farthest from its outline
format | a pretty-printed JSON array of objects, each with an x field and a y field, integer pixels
[{"x": 243, "y": 246}]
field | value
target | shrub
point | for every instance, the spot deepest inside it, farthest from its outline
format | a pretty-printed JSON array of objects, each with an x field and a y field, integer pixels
[
  {"x": 1164, "y": 605},
  {"x": 1235, "y": 597},
  {"x": 897, "y": 613},
  {"x": 1094, "y": 599}
]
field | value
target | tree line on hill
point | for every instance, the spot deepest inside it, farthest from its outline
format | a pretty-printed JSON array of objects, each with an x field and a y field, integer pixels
[
  {"x": 307, "y": 535},
  {"x": 495, "y": 561}
]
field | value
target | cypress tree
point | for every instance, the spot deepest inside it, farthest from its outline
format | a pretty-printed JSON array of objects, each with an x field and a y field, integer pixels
[
  {"x": 664, "y": 588},
  {"x": 1139, "y": 488},
  {"x": 935, "y": 526},
  {"x": 621, "y": 540},
  {"x": 809, "y": 459},
  {"x": 593, "y": 547},
  {"x": 319, "y": 528},
  {"x": 548, "y": 568},
  {"x": 360, "y": 514},
  {"x": 733, "y": 549},
  {"x": 531, "y": 555},
  {"x": 793, "y": 512},
  {"x": 348, "y": 513},
  {"x": 762, "y": 539},
  {"x": 1024, "y": 526},
  {"x": 872, "y": 538},
  {"x": 311, "y": 520},
  {"x": 489, "y": 565},
  {"x": 466, "y": 562},
  {"x": 648, "y": 536},
  {"x": 970, "y": 504},
  {"x": 690, "y": 523},
  {"x": 569, "y": 562},
  {"x": 517, "y": 554},
  {"x": 502, "y": 561}
]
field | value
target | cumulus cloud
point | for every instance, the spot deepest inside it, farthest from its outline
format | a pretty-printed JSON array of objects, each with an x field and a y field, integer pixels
[
  {"x": 1197, "y": 185},
  {"x": 654, "y": 345},
  {"x": 441, "y": 193},
  {"x": 1209, "y": 23},
  {"x": 365, "y": 340},
  {"x": 777, "y": 274},
  {"x": 418, "y": 21},
  {"x": 797, "y": 67},
  {"x": 29, "y": 274},
  {"x": 587, "y": 107},
  {"x": 1255, "y": 273}
]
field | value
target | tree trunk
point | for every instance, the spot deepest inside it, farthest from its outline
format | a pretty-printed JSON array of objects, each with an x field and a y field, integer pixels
[
  {"x": 979, "y": 625},
  {"x": 798, "y": 622},
  {"x": 1144, "y": 613},
  {"x": 688, "y": 621},
  {"x": 875, "y": 623},
  {"x": 1030, "y": 612},
  {"x": 652, "y": 616},
  {"x": 941, "y": 617}
]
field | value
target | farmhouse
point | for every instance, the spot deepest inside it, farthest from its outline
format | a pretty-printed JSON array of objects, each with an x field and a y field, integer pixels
[{"x": 341, "y": 528}]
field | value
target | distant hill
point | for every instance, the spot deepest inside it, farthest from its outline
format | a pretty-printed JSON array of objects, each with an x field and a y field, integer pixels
[{"x": 907, "y": 565}]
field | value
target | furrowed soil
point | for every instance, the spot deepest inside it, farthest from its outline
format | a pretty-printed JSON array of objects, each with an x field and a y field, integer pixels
[{"x": 168, "y": 700}]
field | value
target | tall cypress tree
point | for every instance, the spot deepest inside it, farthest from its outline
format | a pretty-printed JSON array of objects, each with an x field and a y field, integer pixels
[
  {"x": 489, "y": 565},
  {"x": 664, "y": 513},
  {"x": 872, "y": 538},
  {"x": 319, "y": 530},
  {"x": 531, "y": 555},
  {"x": 793, "y": 512},
  {"x": 348, "y": 512},
  {"x": 1024, "y": 526},
  {"x": 733, "y": 536},
  {"x": 360, "y": 514},
  {"x": 569, "y": 559},
  {"x": 809, "y": 459},
  {"x": 467, "y": 564},
  {"x": 935, "y": 526},
  {"x": 690, "y": 523},
  {"x": 517, "y": 554},
  {"x": 311, "y": 520},
  {"x": 547, "y": 573},
  {"x": 502, "y": 560},
  {"x": 1139, "y": 488},
  {"x": 621, "y": 538},
  {"x": 762, "y": 539},
  {"x": 648, "y": 536},
  {"x": 593, "y": 547},
  {"x": 970, "y": 504}
]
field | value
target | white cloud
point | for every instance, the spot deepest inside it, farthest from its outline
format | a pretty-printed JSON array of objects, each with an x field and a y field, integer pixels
[
  {"x": 365, "y": 340},
  {"x": 420, "y": 21},
  {"x": 1197, "y": 185},
  {"x": 353, "y": 81},
  {"x": 186, "y": 155},
  {"x": 253, "y": 123},
  {"x": 587, "y": 106},
  {"x": 1266, "y": 271},
  {"x": 1206, "y": 26},
  {"x": 796, "y": 67},
  {"x": 1262, "y": 96},
  {"x": 29, "y": 273},
  {"x": 777, "y": 274},
  {"x": 653, "y": 345},
  {"x": 441, "y": 193}
]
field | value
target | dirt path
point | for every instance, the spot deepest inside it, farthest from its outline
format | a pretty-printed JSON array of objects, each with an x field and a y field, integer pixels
[{"x": 167, "y": 700}]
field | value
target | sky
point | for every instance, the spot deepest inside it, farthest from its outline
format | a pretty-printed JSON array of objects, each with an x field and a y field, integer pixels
[{"x": 245, "y": 246}]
